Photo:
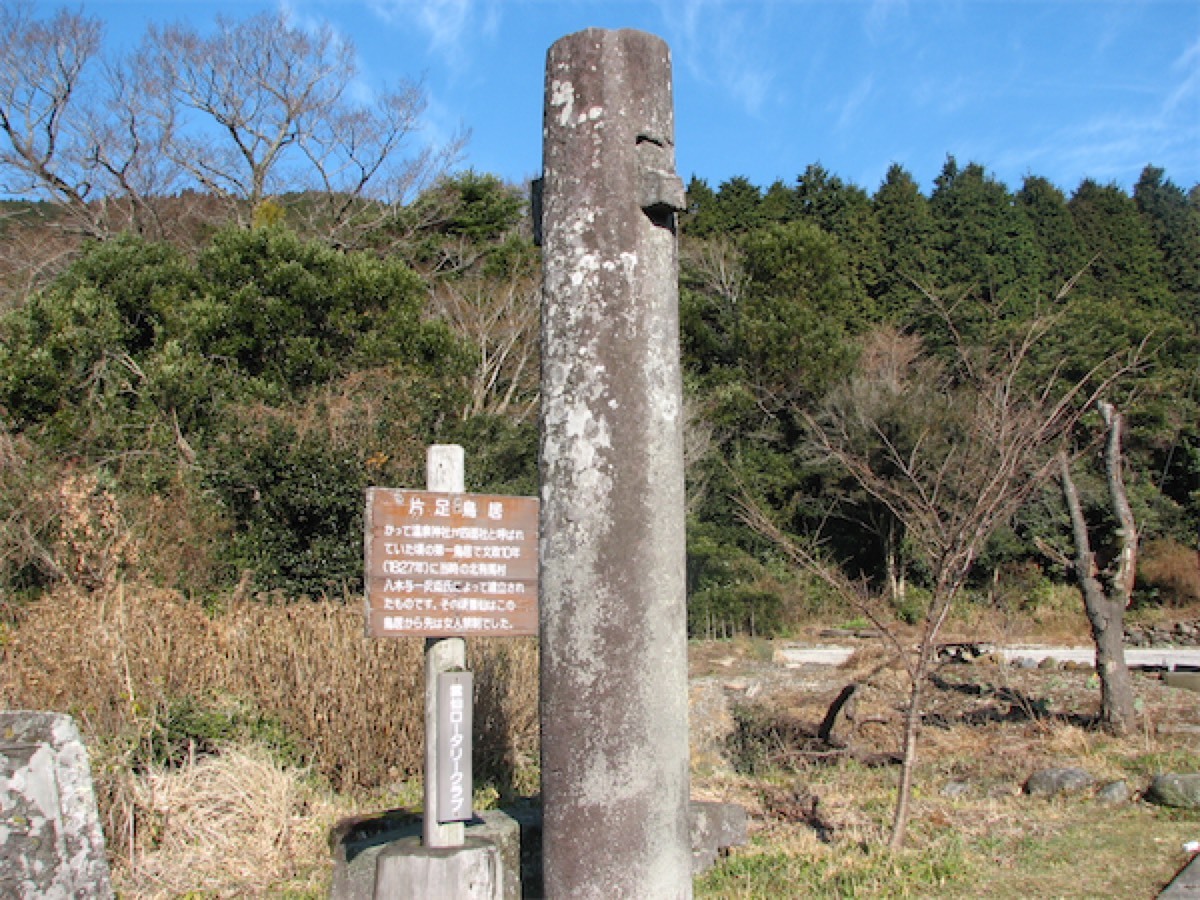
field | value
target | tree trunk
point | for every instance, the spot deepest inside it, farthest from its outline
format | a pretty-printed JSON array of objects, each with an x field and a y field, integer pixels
[
  {"x": 1117, "y": 712},
  {"x": 908, "y": 764},
  {"x": 1106, "y": 608},
  {"x": 1126, "y": 563},
  {"x": 894, "y": 566}
]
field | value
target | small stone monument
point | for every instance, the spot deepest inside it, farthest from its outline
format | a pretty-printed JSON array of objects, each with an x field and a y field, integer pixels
[
  {"x": 51, "y": 845},
  {"x": 613, "y": 616}
]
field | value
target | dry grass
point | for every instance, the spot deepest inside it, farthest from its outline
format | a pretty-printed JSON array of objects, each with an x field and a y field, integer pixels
[
  {"x": 1173, "y": 570},
  {"x": 232, "y": 825},
  {"x": 818, "y": 821},
  {"x": 241, "y": 823},
  {"x": 351, "y": 708}
]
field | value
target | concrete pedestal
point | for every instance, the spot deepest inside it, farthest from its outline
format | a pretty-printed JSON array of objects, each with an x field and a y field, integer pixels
[
  {"x": 409, "y": 869},
  {"x": 1185, "y": 885},
  {"x": 360, "y": 845},
  {"x": 516, "y": 832}
]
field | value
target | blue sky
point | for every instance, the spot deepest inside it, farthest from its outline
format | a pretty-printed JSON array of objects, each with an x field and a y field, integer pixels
[{"x": 1065, "y": 89}]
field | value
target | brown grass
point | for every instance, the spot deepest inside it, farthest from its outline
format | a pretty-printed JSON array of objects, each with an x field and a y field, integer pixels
[
  {"x": 1173, "y": 570},
  {"x": 352, "y": 706},
  {"x": 234, "y": 825}
]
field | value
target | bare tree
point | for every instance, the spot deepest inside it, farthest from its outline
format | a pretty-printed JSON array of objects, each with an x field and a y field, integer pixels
[
  {"x": 248, "y": 91},
  {"x": 362, "y": 176},
  {"x": 42, "y": 66},
  {"x": 1107, "y": 592},
  {"x": 265, "y": 107},
  {"x": 717, "y": 263},
  {"x": 257, "y": 109},
  {"x": 952, "y": 450},
  {"x": 128, "y": 133},
  {"x": 499, "y": 317},
  {"x": 85, "y": 134}
]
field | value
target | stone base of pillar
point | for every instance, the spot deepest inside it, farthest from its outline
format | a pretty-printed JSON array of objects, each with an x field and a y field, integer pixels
[
  {"x": 358, "y": 844},
  {"x": 516, "y": 832},
  {"x": 407, "y": 868}
]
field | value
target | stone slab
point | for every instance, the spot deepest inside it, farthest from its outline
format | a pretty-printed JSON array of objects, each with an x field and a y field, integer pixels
[
  {"x": 715, "y": 827},
  {"x": 51, "y": 843},
  {"x": 1167, "y": 659},
  {"x": 407, "y": 868},
  {"x": 1185, "y": 885},
  {"x": 358, "y": 845}
]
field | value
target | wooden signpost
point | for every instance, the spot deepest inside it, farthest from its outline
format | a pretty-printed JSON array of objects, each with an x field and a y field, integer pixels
[{"x": 443, "y": 564}]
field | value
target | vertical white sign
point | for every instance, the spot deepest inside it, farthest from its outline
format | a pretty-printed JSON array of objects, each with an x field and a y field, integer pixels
[{"x": 454, "y": 776}]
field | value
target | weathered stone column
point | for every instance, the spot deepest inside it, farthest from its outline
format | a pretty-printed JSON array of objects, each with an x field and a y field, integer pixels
[{"x": 613, "y": 622}]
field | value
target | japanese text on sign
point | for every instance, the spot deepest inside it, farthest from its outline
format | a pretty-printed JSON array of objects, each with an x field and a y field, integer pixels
[
  {"x": 454, "y": 747},
  {"x": 450, "y": 564}
]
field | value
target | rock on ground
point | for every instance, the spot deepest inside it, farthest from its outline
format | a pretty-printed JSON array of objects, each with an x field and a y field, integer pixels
[
  {"x": 1180, "y": 791},
  {"x": 1058, "y": 780}
]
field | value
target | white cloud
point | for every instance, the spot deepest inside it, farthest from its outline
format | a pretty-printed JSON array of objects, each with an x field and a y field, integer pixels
[
  {"x": 1167, "y": 135},
  {"x": 1116, "y": 146},
  {"x": 717, "y": 42},
  {"x": 1188, "y": 88},
  {"x": 855, "y": 102},
  {"x": 448, "y": 24}
]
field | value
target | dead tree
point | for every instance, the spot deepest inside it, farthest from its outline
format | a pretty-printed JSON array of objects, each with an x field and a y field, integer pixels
[
  {"x": 952, "y": 450},
  {"x": 245, "y": 113},
  {"x": 1107, "y": 591},
  {"x": 42, "y": 65}
]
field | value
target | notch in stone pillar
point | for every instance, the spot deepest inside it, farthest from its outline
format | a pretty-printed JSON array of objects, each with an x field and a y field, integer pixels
[{"x": 660, "y": 191}]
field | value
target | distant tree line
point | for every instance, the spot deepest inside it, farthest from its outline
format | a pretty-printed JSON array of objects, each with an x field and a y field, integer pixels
[
  {"x": 794, "y": 296},
  {"x": 210, "y": 345}
]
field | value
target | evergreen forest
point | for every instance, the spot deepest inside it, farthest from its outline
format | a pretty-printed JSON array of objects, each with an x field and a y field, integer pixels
[
  {"x": 233, "y": 296},
  {"x": 206, "y": 413}
]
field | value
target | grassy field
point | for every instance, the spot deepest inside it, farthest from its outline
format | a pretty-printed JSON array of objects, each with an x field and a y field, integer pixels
[
  {"x": 228, "y": 740},
  {"x": 983, "y": 846},
  {"x": 819, "y": 822}
]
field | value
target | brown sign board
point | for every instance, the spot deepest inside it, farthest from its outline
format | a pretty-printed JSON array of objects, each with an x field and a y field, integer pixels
[{"x": 450, "y": 565}]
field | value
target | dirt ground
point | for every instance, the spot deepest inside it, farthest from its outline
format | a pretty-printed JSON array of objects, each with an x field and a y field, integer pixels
[
  {"x": 984, "y": 718},
  {"x": 816, "y": 795}
]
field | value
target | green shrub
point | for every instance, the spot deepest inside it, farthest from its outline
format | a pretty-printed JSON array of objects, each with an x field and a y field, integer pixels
[
  {"x": 911, "y": 607},
  {"x": 189, "y": 727},
  {"x": 297, "y": 507},
  {"x": 1021, "y": 586},
  {"x": 298, "y": 313}
]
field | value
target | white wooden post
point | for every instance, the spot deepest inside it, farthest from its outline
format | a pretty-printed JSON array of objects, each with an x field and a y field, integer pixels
[{"x": 445, "y": 470}]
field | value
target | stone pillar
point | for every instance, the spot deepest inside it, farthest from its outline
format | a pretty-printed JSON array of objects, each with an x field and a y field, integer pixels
[{"x": 613, "y": 619}]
